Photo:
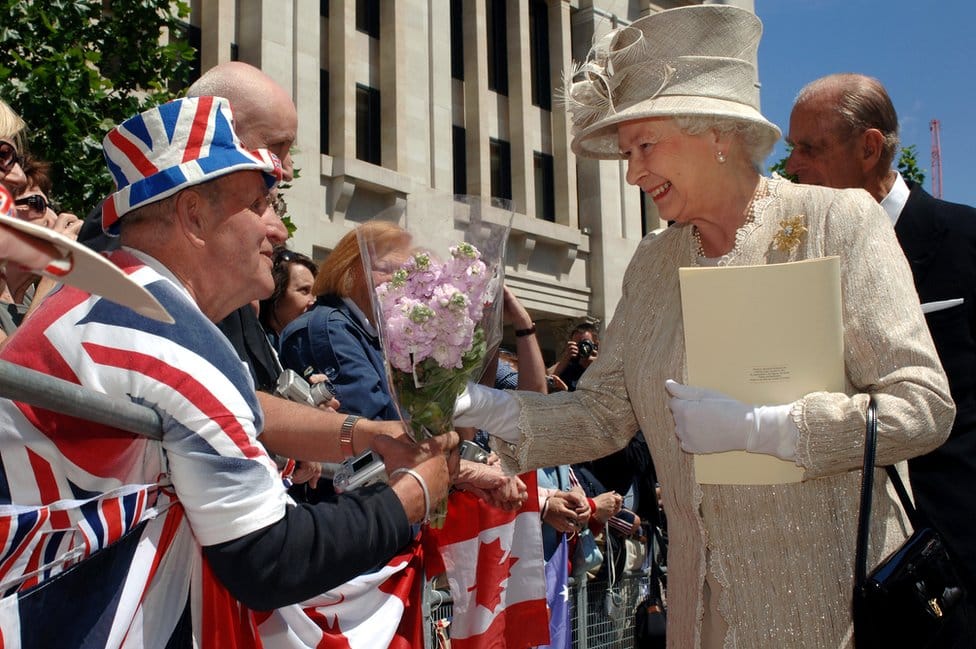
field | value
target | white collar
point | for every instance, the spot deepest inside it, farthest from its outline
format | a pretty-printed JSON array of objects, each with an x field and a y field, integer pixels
[
  {"x": 895, "y": 201},
  {"x": 363, "y": 320}
]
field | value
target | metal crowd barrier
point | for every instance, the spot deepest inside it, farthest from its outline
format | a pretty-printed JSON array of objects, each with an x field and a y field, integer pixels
[
  {"x": 593, "y": 627},
  {"x": 39, "y": 389}
]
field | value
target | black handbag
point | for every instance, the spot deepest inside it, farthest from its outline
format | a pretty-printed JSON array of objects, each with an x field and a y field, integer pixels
[
  {"x": 651, "y": 615},
  {"x": 909, "y": 596}
]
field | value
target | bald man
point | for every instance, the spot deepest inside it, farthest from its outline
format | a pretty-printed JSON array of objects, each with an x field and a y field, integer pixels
[
  {"x": 264, "y": 114},
  {"x": 265, "y": 118}
]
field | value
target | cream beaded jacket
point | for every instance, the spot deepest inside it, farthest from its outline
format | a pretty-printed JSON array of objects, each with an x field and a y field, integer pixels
[{"x": 783, "y": 554}]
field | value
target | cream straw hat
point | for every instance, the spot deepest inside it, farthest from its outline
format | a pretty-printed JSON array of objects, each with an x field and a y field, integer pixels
[{"x": 689, "y": 61}]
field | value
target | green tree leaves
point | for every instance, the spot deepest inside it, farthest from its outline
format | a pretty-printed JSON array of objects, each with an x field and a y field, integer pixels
[
  {"x": 74, "y": 69},
  {"x": 908, "y": 166}
]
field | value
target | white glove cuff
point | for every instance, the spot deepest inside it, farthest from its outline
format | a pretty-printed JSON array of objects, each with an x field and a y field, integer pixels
[
  {"x": 494, "y": 411},
  {"x": 774, "y": 432}
]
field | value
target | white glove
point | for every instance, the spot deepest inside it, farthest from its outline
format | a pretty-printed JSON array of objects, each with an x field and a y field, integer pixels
[
  {"x": 495, "y": 411},
  {"x": 707, "y": 421}
]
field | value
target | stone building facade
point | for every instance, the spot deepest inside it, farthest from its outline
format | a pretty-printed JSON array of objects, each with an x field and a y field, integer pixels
[{"x": 404, "y": 103}]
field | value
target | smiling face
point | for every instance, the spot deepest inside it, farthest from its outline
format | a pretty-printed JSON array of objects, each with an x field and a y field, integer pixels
[{"x": 674, "y": 168}]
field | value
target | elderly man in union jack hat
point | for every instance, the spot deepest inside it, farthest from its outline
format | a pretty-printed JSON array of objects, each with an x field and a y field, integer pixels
[{"x": 171, "y": 542}]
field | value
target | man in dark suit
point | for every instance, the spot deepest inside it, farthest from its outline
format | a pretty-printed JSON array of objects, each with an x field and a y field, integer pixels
[{"x": 844, "y": 133}]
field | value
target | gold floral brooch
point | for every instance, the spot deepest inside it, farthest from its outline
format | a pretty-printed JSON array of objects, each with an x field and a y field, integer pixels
[{"x": 791, "y": 231}]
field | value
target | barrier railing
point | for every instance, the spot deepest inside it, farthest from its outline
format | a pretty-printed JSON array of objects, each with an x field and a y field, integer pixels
[
  {"x": 39, "y": 389},
  {"x": 594, "y": 626}
]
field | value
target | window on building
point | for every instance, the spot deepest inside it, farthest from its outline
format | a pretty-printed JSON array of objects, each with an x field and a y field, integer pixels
[
  {"x": 497, "y": 47},
  {"x": 539, "y": 46},
  {"x": 368, "y": 17},
  {"x": 368, "y": 124},
  {"x": 501, "y": 168},
  {"x": 324, "y": 111},
  {"x": 193, "y": 37},
  {"x": 545, "y": 188},
  {"x": 324, "y": 8},
  {"x": 457, "y": 40},
  {"x": 460, "y": 161}
]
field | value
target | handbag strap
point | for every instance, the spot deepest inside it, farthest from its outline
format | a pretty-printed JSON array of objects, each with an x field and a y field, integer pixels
[
  {"x": 611, "y": 560},
  {"x": 867, "y": 488},
  {"x": 657, "y": 547}
]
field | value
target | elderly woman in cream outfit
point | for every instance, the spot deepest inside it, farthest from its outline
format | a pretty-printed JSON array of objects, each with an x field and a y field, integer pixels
[{"x": 675, "y": 96}]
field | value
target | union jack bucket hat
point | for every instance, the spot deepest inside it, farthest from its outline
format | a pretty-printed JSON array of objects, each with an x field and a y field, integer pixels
[{"x": 179, "y": 144}]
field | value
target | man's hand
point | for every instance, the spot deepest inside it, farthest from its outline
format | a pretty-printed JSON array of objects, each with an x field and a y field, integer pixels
[
  {"x": 570, "y": 352},
  {"x": 429, "y": 460},
  {"x": 309, "y": 472}
]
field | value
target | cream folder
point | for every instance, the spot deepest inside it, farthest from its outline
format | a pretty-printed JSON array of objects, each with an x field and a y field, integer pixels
[{"x": 765, "y": 335}]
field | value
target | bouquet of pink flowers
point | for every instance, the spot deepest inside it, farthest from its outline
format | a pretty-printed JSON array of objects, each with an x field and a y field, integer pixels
[
  {"x": 440, "y": 318},
  {"x": 431, "y": 317}
]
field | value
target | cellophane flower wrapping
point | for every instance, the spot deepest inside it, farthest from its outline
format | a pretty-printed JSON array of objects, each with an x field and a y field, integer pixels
[{"x": 439, "y": 316}]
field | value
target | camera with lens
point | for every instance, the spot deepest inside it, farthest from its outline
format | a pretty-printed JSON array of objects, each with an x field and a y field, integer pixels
[
  {"x": 359, "y": 471},
  {"x": 585, "y": 348},
  {"x": 293, "y": 387}
]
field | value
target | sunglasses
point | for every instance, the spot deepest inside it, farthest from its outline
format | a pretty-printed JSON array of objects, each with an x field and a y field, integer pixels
[
  {"x": 284, "y": 257},
  {"x": 35, "y": 202},
  {"x": 8, "y": 156}
]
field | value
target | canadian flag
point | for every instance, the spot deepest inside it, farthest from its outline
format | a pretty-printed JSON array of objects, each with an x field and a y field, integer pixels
[
  {"x": 377, "y": 609},
  {"x": 495, "y": 571}
]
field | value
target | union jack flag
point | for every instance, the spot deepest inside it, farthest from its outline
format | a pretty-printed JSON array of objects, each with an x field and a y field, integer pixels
[
  {"x": 99, "y": 552},
  {"x": 176, "y": 145}
]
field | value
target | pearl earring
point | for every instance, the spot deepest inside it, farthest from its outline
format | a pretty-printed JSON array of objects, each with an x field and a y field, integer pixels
[{"x": 720, "y": 157}]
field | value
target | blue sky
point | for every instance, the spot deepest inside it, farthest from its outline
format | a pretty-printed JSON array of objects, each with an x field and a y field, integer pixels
[{"x": 923, "y": 52}]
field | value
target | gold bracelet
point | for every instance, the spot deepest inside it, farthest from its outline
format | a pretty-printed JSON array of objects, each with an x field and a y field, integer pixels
[{"x": 345, "y": 435}]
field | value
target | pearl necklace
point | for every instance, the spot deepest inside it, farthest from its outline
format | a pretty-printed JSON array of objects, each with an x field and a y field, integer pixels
[{"x": 762, "y": 191}]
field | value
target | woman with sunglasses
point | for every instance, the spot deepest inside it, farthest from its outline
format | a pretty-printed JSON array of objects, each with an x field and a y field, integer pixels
[
  {"x": 11, "y": 142},
  {"x": 15, "y": 246},
  {"x": 22, "y": 290}
]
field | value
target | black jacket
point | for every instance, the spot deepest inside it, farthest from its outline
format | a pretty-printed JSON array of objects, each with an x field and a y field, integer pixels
[{"x": 939, "y": 240}]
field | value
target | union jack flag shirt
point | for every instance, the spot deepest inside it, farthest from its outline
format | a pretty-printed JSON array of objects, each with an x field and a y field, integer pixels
[{"x": 69, "y": 487}]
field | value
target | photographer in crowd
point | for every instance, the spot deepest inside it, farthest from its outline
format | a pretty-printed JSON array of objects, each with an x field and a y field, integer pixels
[{"x": 581, "y": 350}]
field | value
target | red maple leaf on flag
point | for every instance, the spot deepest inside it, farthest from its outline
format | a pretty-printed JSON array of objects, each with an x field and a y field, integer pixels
[
  {"x": 332, "y": 636},
  {"x": 494, "y": 567}
]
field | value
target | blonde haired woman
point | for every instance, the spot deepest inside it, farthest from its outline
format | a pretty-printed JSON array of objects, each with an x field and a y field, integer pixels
[
  {"x": 337, "y": 337},
  {"x": 11, "y": 149}
]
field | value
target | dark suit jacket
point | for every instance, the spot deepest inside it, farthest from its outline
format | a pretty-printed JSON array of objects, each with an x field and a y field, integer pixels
[
  {"x": 245, "y": 333},
  {"x": 939, "y": 240}
]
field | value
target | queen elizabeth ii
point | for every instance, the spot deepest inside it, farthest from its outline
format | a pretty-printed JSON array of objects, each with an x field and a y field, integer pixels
[{"x": 675, "y": 96}]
